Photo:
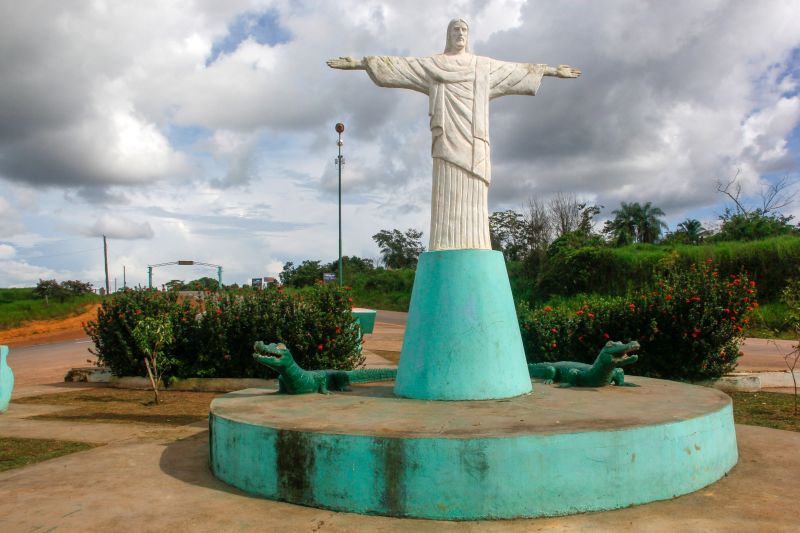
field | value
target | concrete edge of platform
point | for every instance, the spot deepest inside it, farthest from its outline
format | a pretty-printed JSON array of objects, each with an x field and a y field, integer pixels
[{"x": 469, "y": 477}]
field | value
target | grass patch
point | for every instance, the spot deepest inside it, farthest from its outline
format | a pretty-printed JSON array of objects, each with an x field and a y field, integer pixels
[
  {"x": 768, "y": 409},
  {"x": 16, "y": 452},
  {"x": 771, "y": 321},
  {"x": 125, "y": 406},
  {"x": 18, "y": 306}
]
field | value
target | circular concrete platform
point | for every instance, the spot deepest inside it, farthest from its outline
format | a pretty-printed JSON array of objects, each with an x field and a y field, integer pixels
[{"x": 553, "y": 452}]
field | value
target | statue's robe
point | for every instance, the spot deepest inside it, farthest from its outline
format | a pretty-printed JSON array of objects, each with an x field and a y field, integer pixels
[{"x": 459, "y": 88}]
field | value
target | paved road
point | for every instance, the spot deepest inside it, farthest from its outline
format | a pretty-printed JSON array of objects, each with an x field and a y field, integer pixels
[
  {"x": 48, "y": 363},
  {"x": 396, "y": 318}
]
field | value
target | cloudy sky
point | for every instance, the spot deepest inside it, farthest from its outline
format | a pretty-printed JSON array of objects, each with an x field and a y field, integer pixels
[{"x": 203, "y": 130}]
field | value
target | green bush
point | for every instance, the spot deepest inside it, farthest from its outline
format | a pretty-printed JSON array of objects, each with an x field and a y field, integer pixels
[
  {"x": 689, "y": 322},
  {"x": 215, "y": 336},
  {"x": 382, "y": 289},
  {"x": 616, "y": 271}
]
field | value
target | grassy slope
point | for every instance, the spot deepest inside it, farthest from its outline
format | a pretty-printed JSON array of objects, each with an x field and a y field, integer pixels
[{"x": 21, "y": 305}]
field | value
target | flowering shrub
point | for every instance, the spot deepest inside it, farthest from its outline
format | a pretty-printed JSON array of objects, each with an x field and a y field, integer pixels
[
  {"x": 689, "y": 322},
  {"x": 214, "y": 337}
]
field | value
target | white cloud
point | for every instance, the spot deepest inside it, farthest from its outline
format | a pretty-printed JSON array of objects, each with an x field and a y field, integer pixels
[
  {"x": 117, "y": 227},
  {"x": 7, "y": 252}
]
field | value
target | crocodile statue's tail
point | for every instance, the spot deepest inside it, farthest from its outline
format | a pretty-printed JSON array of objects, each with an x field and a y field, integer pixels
[{"x": 372, "y": 374}]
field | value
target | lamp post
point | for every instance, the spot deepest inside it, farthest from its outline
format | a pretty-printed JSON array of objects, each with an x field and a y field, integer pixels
[{"x": 339, "y": 163}]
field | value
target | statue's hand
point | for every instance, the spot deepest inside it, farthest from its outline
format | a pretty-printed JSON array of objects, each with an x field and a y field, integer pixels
[
  {"x": 345, "y": 63},
  {"x": 566, "y": 71}
]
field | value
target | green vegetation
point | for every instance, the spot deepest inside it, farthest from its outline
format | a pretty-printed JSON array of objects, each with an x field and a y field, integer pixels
[
  {"x": 18, "y": 306},
  {"x": 768, "y": 409},
  {"x": 690, "y": 323},
  {"x": 214, "y": 337},
  {"x": 567, "y": 271},
  {"x": 15, "y": 452}
]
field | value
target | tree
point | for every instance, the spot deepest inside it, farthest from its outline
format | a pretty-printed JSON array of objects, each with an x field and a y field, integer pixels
[
  {"x": 509, "y": 233},
  {"x": 650, "y": 223},
  {"x": 175, "y": 285},
  {"x": 350, "y": 265},
  {"x": 635, "y": 223},
  {"x": 152, "y": 335},
  {"x": 399, "y": 250},
  {"x": 690, "y": 231},
  {"x": 622, "y": 228},
  {"x": 50, "y": 289},
  {"x": 76, "y": 288},
  {"x": 539, "y": 225},
  {"x": 202, "y": 284},
  {"x": 565, "y": 212},
  {"x": 745, "y": 222},
  {"x": 305, "y": 274}
]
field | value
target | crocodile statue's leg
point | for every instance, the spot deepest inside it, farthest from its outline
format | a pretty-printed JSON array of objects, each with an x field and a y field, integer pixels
[
  {"x": 569, "y": 377},
  {"x": 618, "y": 377},
  {"x": 542, "y": 371},
  {"x": 323, "y": 385}
]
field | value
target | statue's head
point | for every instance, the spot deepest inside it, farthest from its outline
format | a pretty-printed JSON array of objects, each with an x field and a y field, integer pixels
[{"x": 457, "y": 37}]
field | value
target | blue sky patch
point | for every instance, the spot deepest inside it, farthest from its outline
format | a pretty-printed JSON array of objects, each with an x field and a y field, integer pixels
[{"x": 263, "y": 28}]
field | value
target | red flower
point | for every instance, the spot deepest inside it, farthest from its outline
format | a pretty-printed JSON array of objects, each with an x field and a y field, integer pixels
[
  {"x": 553, "y": 330},
  {"x": 547, "y": 308},
  {"x": 554, "y": 345},
  {"x": 668, "y": 297},
  {"x": 606, "y": 335},
  {"x": 320, "y": 347},
  {"x": 590, "y": 315},
  {"x": 338, "y": 330},
  {"x": 578, "y": 312}
]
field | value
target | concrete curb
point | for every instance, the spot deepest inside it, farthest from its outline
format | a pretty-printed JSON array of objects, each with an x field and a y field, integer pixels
[
  {"x": 735, "y": 382},
  {"x": 104, "y": 375},
  {"x": 753, "y": 381}
]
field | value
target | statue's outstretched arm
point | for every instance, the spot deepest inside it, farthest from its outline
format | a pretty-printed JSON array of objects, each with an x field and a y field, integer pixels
[
  {"x": 561, "y": 71},
  {"x": 347, "y": 63}
]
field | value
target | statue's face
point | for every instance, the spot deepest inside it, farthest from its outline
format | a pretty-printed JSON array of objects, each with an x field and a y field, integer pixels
[{"x": 458, "y": 36}]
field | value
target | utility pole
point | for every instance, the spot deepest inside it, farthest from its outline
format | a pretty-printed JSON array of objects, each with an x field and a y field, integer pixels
[
  {"x": 124, "y": 279},
  {"x": 339, "y": 163},
  {"x": 105, "y": 259}
]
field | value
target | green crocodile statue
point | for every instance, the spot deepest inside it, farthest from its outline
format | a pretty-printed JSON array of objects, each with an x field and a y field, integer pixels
[
  {"x": 295, "y": 380},
  {"x": 604, "y": 370}
]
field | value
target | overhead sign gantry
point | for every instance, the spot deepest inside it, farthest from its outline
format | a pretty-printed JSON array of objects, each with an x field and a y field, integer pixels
[{"x": 182, "y": 262}]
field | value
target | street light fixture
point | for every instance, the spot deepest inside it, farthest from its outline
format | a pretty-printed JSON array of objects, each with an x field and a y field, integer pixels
[{"x": 339, "y": 162}]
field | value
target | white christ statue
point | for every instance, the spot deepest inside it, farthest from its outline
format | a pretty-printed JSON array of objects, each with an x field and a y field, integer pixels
[{"x": 459, "y": 86}]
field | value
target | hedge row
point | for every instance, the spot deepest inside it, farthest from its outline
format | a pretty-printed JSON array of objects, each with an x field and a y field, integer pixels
[
  {"x": 214, "y": 336},
  {"x": 615, "y": 271},
  {"x": 690, "y": 323}
]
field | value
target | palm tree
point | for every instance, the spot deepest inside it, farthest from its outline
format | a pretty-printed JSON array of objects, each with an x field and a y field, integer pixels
[
  {"x": 636, "y": 223},
  {"x": 649, "y": 225},
  {"x": 692, "y": 230},
  {"x": 623, "y": 227}
]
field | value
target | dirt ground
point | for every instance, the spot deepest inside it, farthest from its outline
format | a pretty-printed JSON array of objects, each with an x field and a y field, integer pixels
[{"x": 49, "y": 331}]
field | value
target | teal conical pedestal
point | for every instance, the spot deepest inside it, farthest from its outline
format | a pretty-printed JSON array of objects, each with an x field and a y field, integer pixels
[{"x": 462, "y": 339}]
